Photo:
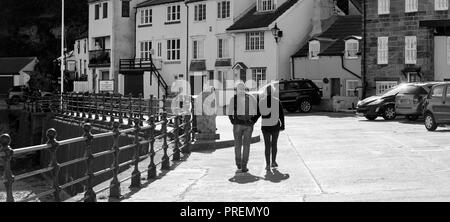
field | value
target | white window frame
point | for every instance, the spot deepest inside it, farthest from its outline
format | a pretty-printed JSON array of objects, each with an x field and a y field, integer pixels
[
  {"x": 383, "y": 50},
  {"x": 145, "y": 49},
  {"x": 266, "y": 5},
  {"x": 198, "y": 49},
  {"x": 351, "y": 85},
  {"x": 223, "y": 48},
  {"x": 410, "y": 49},
  {"x": 313, "y": 50},
  {"x": 351, "y": 53},
  {"x": 173, "y": 13},
  {"x": 384, "y": 7},
  {"x": 200, "y": 12},
  {"x": 173, "y": 53},
  {"x": 159, "y": 49},
  {"x": 384, "y": 86},
  {"x": 440, "y": 5},
  {"x": 146, "y": 16},
  {"x": 254, "y": 41},
  {"x": 224, "y": 9},
  {"x": 411, "y": 6},
  {"x": 259, "y": 76}
]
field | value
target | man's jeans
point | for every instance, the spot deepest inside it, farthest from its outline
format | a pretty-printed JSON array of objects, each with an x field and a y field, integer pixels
[{"x": 242, "y": 137}]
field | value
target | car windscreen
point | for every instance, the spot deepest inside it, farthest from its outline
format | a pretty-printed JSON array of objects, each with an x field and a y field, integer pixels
[
  {"x": 412, "y": 89},
  {"x": 393, "y": 91}
]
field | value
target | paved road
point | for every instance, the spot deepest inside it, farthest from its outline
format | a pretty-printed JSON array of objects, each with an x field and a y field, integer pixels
[{"x": 323, "y": 157}]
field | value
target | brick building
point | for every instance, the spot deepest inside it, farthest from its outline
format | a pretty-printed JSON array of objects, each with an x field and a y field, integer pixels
[{"x": 405, "y": 41}]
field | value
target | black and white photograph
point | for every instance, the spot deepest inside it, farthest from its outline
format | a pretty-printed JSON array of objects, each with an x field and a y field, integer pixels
[{"x": 224, "y": 101}]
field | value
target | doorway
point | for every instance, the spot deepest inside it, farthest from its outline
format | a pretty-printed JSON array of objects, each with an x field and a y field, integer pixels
[
  {"x": 335, "y": 87},
  {"x": 134, "y": 84}
]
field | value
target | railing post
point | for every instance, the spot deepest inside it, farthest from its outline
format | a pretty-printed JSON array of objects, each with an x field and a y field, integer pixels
[
  {"x": 90, "y": 194},
  {"x": 187, "y": 134},
  {"x": 140, "y": 116},
  {"x": 120, "y": 110},
  {"x": 130, "y": 117},
  {"x": 165, "y": 164},
  {"x": 5, "y": 141},
  {"x": 151, "y": 166},
  {"x": 96, "y": 106},
  {"x": 104, "y": 108},
  {"x": 89, "y": 101},
  {"x": 54, "y": 145},
  {"x": 83, "y": 109},
  {"x": 114, "y": 190},
  {"x": 136, "y": 175},
  {"x": 111, "y": 114},
  {"x": 176, "y": 150},
  {"x": 194, "y": 120},
  {"x": 70, "y": 103},
  {"x": 78, "y": 105}
]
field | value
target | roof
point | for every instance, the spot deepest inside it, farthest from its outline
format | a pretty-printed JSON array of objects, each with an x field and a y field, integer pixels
[
  {"x": 13, "y": 65},
  {"x": 157, "y": 2},
  {"x": 342, "y": 28},
  {"x": 254, "y": 19}
]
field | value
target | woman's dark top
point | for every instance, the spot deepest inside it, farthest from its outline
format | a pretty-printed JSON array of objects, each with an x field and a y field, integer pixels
[{"x": 265, "y": 118}]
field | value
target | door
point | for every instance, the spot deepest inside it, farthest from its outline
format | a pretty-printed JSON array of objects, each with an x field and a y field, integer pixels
[
  {"x": 335, "y": 87},
  {"x": 6, "y": 83},
  {"x": 134, "y": 84},
  {"x": 437, "y": 102},
  {"x": 446, "y": 106}
]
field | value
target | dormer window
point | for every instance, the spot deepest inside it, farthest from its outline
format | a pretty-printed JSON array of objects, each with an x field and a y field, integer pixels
[
  {"x": 314, "y": 49},
  {"x": 351, "y": 48},
  {"x": 265, "y": 5}
]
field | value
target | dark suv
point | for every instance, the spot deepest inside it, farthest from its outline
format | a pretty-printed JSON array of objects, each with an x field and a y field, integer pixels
[
  {"x": 299, "y": 94},
  {"x": 436, "y": 108}
]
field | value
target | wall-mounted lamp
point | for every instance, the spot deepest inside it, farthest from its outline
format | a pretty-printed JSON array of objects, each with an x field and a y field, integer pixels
[{"x": 277, "y": 33}]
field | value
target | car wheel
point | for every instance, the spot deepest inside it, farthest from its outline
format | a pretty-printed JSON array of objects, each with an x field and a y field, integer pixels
[
  {"x": 412, "y": 117},
  {"x": 389, "y": 113},
  {"x": 371, "y": 118},
  {"x": 305, "y": 106},
  {"x": 292, "y": 109},
  {"x": 430, "y": 122}
]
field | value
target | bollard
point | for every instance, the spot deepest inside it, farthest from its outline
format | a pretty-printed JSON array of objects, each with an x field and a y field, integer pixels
[
  {"x": 165, "y": 164},
  {"x": 5, "y": 141},
  {"x": 136, "y": 175},
  {"x": 120, "y": 110},
  {"x": 176, "y": 150},
  {"x": 151, "y": 166},
  {"x": 89, "y": 195},
  {"x": 187, "y": 130},
  {"x": 114, "y": 190},
  {"x": 54, "y": 145}
]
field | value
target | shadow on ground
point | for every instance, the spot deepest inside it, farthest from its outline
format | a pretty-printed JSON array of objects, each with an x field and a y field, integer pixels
[
  {"x": 273, "y": 176},
  {"x": 322, "y": 114}
]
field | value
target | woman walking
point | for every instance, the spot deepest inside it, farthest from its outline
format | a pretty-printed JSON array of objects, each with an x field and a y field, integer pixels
[{"x": 272, "y": 123}]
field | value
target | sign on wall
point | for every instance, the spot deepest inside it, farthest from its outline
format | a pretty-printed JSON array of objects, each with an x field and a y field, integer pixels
[{"x": 106, "y": 85}]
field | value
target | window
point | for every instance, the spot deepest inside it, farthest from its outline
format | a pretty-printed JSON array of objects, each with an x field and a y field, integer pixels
[
  {"x": 265, "y": 5},
  {"x": 105, "y": 75},
  {"x": 410, "y": 49},
  {"x": 438, "y": 91},
  {"x": 85, "y": 46},
  {"x": 198, "y": 49},
  {"x": 223, "y": 48},
  {"x": 78, "y": 47},
  {"x": 383, "y": 50},
  {"x": 314, "y": 49},
  {"x": 351, "y": 48},
  {"x": 384, "y": 86},
  {"x": 384, "y": 7},
  {"x": 85, "y": 69},
  {"x": 411, "y": 6},
  {"x": 173, "y": 50},
  {"x": 173, "y": 13},
  {"x": 81, "y": 66},
  {"x": 254, "y": 41},
  {"x": 351, "y": 87},
  {"x": 200, "y": 12},
  {"x": 221, "y": 77},
  {"x": 125, "y": 8},
  {"x": 440, "y": 5},
  {"x": 105, "y": 10},
  {"x": 413, "y": 77},
  {"x": 146, "y": 49},
  {"x": 223, "y": 9},
  {"x": 97, "y": 11},
  {"x": 146, "y": 16},
  {"x": 259, "y": 76},
  {"x": 159, "y": 52}
]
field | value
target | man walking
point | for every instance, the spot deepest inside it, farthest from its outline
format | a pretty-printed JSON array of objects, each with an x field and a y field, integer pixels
[{"x": 243, "y": 114}]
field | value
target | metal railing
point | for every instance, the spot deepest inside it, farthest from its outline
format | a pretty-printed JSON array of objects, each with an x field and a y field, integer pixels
[{"x": 177, "y": 124}]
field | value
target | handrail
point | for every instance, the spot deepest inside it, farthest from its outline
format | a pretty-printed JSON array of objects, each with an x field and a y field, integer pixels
[{"x": 88, "y": 107}]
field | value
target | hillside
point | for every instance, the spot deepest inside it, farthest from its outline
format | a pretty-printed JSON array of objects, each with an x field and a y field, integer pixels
[{"x": 32, "y": 28}]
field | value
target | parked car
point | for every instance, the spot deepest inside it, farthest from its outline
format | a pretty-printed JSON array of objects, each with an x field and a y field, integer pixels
[
  {"x": 384, "y": 105},
  {"x": 19, "y": 94},
  {"x": 436, "y": 109},
  {"x": 409, "y": 102},
  {"x": 299, "y": 94}
]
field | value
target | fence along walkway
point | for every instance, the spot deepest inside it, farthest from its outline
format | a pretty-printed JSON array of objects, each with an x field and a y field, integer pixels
[{"x": 144, "y": 135}]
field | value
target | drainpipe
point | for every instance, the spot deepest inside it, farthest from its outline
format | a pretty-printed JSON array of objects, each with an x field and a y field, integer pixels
[
  {"x": 348, "y": 70},
  {"x": 364, "y": 71},
  {"x": 293, "y": 67},
  {"x": 135, "y": 34}
]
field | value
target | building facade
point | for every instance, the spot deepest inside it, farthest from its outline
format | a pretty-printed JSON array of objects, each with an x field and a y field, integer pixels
[
  {"x": 16, "y": 71},
  {"x": 406, "y": 41}
]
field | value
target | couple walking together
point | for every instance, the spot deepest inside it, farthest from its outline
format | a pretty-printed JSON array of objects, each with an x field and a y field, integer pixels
[{"x": 244, "y": 112}]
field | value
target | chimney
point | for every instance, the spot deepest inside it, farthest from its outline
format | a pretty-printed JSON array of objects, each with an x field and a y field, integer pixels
[{"x": 323, "y": 9}]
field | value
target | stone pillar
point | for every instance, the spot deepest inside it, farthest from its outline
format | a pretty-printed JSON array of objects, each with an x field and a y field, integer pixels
[{"x": 206, "y": 104}]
